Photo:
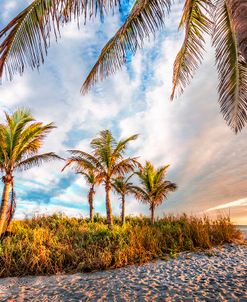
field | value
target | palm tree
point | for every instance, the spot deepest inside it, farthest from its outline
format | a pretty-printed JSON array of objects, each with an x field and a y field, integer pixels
[
  {"x": 91, "y": 177},
  {"x": 153, "y": 187},
  {"x": 26, "y": 40},
  {"x": 107, "y": 160},
  {"x": 21, "y": 137},
  {"x": 124, "y": 187}
]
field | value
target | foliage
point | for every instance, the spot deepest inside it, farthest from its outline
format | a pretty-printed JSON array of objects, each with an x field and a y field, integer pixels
[
  {"x": 106, "y": 160},
  {"x": 21, "y": 137},
  {"x": 153, "y": 188},
  {"x": 56, "y": 244},
  {"x": 25, "y": 41}
]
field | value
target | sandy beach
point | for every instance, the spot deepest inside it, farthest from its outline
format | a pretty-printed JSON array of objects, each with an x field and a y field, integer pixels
[{"x": 216, "y": 275}]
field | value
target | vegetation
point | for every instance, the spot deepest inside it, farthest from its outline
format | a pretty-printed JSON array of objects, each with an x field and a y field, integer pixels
[
  {"x": 26, "y": 38},
  {"x": 57, "y": 244},
  {"x": 154, "y": 188},
  {"x": 20, "y": 140},
  {"x": 123, "y": 187},
  {"x": 92, "y": 180},
  {"x": 107, "y": 160}
]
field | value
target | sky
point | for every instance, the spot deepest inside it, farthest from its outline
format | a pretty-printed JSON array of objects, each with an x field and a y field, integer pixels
[{"x": 207, "y": 160}]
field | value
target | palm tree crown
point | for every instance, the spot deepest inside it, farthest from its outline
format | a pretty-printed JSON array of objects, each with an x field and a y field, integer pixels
[{"x": 153, "y": 187}]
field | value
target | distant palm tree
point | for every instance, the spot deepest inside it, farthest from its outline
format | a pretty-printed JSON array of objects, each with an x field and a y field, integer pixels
[
  {"x": 20, "y": 140},
  {"x": 27, "y": 37},
  {"x": 92, "y": 179},
  {"x": 153, "y": 187},
  {"x": 107, "y": 160},
  {"x": 124, "y": 187}
]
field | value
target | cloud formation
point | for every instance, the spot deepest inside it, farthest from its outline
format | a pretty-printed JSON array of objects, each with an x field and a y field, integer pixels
[{"x": 208, "y": 162}]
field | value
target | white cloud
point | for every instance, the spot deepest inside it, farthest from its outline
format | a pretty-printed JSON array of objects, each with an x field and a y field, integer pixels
[{"x": 207, "y": 160}]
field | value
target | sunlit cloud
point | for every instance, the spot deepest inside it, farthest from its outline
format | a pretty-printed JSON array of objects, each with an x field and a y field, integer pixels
[{"x": 208, "y": 162}]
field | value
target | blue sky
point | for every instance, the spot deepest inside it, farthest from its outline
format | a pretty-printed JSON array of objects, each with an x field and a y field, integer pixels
[{"x": 208, "y": 162}]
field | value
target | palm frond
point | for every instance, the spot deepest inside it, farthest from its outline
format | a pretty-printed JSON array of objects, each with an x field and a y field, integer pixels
[
  {"x": 28, "y": 34},
  {"x": 89, "y": 159},
  {"x": 141, "y": 194},
  {"x": 239, "y": 13},
  {"x": 232, "y": 68},
  {"x": 31, "y": 139},
  {"x": 122, "y": 145},
  {"x": 145, "y": 18},
  {"x": 125, "y": 166},
  {"x": 36, "y": 160},
  {"x": 196, "y": 24}
]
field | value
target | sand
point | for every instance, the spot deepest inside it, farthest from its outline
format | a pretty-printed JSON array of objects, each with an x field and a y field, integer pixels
[{"x": 217, "y": 275}]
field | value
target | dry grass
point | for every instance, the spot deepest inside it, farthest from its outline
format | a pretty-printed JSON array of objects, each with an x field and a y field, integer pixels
[{"x": 55, "y": 244}]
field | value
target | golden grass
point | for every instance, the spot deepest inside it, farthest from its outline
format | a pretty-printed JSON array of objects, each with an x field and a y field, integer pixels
[{"x": 55, "y": 244}]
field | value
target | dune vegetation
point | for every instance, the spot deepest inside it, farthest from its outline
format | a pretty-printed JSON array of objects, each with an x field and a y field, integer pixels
[{"x": 58, "y": 244}]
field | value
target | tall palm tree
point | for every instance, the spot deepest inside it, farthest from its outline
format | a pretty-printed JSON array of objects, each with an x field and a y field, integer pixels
[
  {"x": 123, "y": 186},
  {"x": 92, "y": 178},
  {"x": 26, "y": 38},
  {"x": 107, "y": 160},
  {"x": 21, "y": 137},
  {"x": 153, "y": 187}
]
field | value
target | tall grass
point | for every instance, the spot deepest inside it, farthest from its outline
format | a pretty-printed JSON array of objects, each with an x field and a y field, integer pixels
[{"x": 55, "y": 244}]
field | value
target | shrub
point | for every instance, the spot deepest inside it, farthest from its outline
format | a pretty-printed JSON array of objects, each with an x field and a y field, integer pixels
[{"x": 55, "y": 244}]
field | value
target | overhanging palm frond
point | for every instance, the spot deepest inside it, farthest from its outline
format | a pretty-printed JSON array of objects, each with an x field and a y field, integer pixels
[
  {"x": 28, "y": 34},
  {"x": 232, "y": 68},
  {"x": 36, "y": 160},
  {"x": 196, "y": 22},
  {"x": 145, "y": 18},
  {"x": 239, "y": 13}
]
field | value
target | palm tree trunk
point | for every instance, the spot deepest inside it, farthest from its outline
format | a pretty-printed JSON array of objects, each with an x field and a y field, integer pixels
[
  {"x": 90, "y": 201},
  {"x": 152, "y": 214},
  {"x": 123, "y": 209},
  {"x": 108, "y": 204},
  {"x": 4, "y": 204}
]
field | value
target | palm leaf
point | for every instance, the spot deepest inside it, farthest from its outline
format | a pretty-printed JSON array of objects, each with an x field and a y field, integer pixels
[
  {"x": 145, "y": 18},
  {"x": 28, "y": 34},
  {"x": 122, "y": 145},
  {"x": 36, "y": 160},
  {"x": 239, "y": 13},
  {"x": 88, "y": 158},
  {"x": 196, "y": 24},
  {"x": 124, "y": 166},
  {"x": 232, "y": 68}
]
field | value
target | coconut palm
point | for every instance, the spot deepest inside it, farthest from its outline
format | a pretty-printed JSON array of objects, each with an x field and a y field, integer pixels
[
  {"x": 153, "y": 187},
  {"x": 21, "y": 137},
  {"x": 26, "y": 38},
  {"x": 107, "y": 160},
  {"x": 92, "y": 178},
  {"x": 123, "y": 186}
]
